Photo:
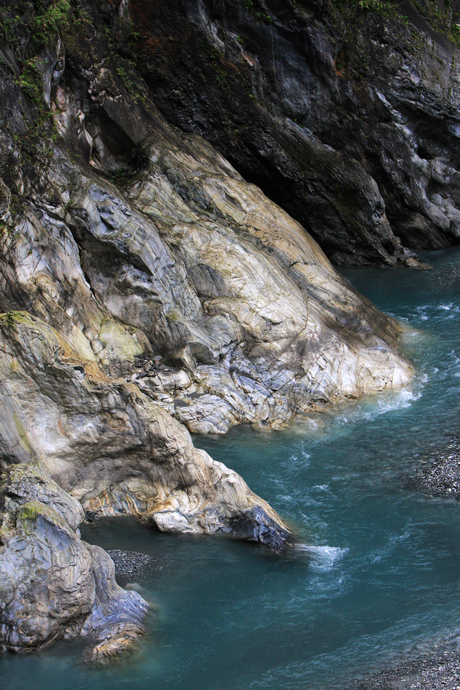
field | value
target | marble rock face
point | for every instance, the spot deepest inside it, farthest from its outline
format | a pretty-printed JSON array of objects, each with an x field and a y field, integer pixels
[
  {"x": 183, "y": 276},
  {"x": 147, "y": 287},
  {"x": 112, "y": 448},
  {"x": 52, "y": 584}
]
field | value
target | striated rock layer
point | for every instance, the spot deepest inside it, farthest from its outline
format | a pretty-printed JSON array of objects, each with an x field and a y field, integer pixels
[
  {"x": 52, "y": 584},
  {"x": 111, "y": 447},
  {"x": 156, "y": 260},
  {"x": 142, "y": 279}
]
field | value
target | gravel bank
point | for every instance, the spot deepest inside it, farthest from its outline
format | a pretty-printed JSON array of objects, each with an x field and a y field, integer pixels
[
  {"x": 441, "y": 477},
  {"x": 133, "y": 566},
  {"x": 440, "y": 671}
]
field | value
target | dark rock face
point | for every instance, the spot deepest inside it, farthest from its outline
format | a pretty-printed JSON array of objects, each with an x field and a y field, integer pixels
[
  {"x": 350, "y": 124},
  {"x": 256, "y": 525}
]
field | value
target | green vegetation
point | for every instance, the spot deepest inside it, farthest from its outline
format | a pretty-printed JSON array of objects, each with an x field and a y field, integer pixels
[
  {"x": 30, "y": 79},
  {"x": 11, "y": 318},
  {"x": 173, "y": 316},
  {"x": 357, "y": 63},
  {"x": 48, "y": 22},
  {"x": 383, "y": 8},
  {"x": 8, "y": 26},
  {"x": 43, "y": 24},
  {"x": 23, "y": 434},
  {"x": 30, "y": 511},
  {"x": 122, "y": 176},
  {"x": 250, "y": 5},
  {"x": 35, "y": 27},
  {"x": 441, "y": 17},
  {"x": 455, "y": 32}
]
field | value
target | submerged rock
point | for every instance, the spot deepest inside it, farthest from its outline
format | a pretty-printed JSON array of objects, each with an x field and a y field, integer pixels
[{"x": 52, "y": 584}]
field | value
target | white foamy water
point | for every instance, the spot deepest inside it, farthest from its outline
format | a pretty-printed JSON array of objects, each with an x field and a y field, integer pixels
[{"x": 323, "y": 557}]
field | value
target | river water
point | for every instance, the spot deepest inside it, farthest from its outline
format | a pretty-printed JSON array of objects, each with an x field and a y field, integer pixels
[{"x": 378, "y": 576}]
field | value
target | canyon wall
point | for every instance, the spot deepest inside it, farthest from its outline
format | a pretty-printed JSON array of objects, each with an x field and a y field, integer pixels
[{"x": 149, "y": 288}]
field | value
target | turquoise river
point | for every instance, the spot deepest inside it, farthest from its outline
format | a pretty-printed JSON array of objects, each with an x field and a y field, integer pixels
[{"x": 377, "y": 573}]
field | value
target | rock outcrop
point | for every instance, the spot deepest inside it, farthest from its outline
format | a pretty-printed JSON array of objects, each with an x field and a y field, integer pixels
[
  {"x": 112, "y": 448},
  {"x": 52, "y": 584},
  {"x": 344, "y": 113},
  {"x": 142, "y": 277}
]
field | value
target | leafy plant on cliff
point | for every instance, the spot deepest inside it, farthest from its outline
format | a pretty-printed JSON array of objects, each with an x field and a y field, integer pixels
[
  {"x": 43, "y": 26},
  {"x": 441, "y": 16},
  {"x": 250, "y": 5},
  {"x": 30, "y": 80},
  {"x": 383, "y": 8},
  {"x": 8, "y": 26},
  {"x": 48, "y": 21}
]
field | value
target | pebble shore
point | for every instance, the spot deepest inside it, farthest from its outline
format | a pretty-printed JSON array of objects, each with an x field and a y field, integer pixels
[
  {"x": 436, "y": 672},
  {"x": 441, "y": 477},
  {"x": 133, "y": 566}
]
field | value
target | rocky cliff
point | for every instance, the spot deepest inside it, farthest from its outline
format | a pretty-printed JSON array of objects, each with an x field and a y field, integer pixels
[
  {"x": 146, "y": 286},
  {"x": 345, "y": 112}
]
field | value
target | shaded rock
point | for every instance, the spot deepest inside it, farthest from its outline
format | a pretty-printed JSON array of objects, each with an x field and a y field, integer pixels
[
  {"x": 52, "y": 584},
  {"x": 256, "y": 525},
  {"x": 346, "y": 114},
  {"x": 117, "y": 615}
]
